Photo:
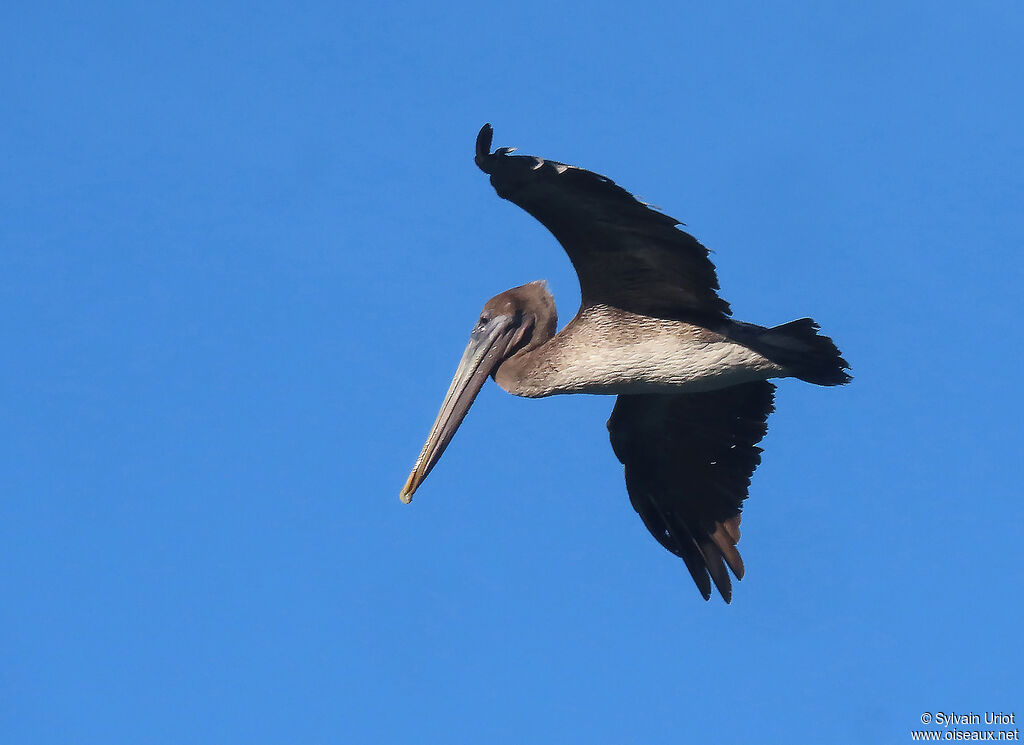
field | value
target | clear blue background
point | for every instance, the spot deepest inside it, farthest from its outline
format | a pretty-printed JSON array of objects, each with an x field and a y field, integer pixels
[{"x": 242, "y": 246}]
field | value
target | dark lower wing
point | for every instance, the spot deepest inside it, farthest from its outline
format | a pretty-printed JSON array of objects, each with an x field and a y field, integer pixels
[{"x": 688, "y": 461}]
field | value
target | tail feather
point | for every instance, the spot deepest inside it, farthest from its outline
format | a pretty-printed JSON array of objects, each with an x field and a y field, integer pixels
[{"x": 804, "y": 352}]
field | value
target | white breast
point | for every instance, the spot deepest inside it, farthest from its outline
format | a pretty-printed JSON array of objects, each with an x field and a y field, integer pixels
[{"x": 607, "y": 351}]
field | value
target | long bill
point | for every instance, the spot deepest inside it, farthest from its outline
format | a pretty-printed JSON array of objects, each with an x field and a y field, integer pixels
[{"x": 483, "y": 354}]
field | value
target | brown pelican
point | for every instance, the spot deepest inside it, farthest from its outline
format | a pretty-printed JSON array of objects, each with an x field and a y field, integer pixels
[{"x": 692, "y": 384}]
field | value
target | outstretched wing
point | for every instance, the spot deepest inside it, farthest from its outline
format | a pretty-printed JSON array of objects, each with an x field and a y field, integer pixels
[
  {"x": 688, "y": 459},
  {"x": 626, "y": 254}
]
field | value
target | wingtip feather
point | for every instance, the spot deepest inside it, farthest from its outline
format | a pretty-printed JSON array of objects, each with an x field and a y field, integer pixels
[
  {"x": 727, "y": 546},
  {"x": 716, "y": 568},
  {"x": 483, "y": 146}
]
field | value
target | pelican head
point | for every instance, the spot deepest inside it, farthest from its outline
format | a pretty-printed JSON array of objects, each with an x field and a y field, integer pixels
[{"x": 510, "y": 324}]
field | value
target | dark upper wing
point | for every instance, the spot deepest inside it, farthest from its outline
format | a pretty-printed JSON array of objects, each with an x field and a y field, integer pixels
[
  {"x": 688, "y": 459},
  {"x": 625, "y": 253}
]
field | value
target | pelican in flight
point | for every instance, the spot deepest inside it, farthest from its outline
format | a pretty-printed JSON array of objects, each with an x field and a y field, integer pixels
[{"x": 692, "y": 384}]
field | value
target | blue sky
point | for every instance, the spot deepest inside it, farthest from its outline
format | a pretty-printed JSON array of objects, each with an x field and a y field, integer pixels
[{"x": 242, "y": 247}]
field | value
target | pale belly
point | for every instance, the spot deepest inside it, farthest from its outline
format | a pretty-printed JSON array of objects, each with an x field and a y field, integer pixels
[
  {"x": 666, "y": 357},
  {"x": 646, "y": 368}
]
